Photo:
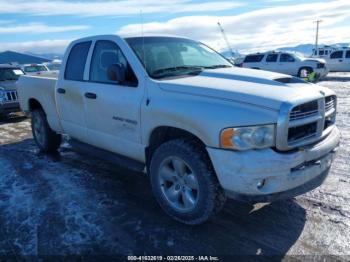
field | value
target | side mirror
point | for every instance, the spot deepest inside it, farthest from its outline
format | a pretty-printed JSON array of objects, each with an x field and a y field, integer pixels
[{"x": 116, "y": 73}]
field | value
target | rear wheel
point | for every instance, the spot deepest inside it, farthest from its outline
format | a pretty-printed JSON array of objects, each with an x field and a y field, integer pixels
[
  {"x": 184, "y": 183},
  {"x": 46, "y": 139}
]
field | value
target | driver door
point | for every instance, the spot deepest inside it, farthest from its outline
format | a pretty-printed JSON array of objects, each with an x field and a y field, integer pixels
[
  {"x": 112, "y": 109},
  {"x": 287, "y": 64}
]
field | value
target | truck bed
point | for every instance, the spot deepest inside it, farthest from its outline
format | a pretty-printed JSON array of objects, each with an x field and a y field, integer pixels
[{"x": 42, "y": 90}]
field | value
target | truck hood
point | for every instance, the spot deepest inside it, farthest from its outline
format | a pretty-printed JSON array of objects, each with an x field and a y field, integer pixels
[
  {"x": 249, "y": 86},
  {"x": 317, "y": 60},
  {"x": 8, "y": 85}
]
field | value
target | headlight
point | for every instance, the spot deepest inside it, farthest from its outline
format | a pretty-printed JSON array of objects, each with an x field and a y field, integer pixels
[{"x": 244, "y": 138}]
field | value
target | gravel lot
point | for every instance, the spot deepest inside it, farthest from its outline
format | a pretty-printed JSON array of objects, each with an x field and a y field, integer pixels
[{"x": 68, "y": 204}]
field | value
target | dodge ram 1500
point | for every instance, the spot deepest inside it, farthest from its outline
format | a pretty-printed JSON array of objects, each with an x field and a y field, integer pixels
[{"x": 202, "y": 129}]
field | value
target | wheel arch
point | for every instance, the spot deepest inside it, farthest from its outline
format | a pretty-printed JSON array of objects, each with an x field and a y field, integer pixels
[
  {"x": 34, "y": 104},
  {"x": 162, "y": 134}
]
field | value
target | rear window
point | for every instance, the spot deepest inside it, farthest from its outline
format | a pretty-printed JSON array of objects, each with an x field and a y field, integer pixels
[
  {"x": 253, "y": 58},
  {"x": 347, "y": 54},
  {"x": 76, "y": 61},
  {"x": 337, "y": 54}
]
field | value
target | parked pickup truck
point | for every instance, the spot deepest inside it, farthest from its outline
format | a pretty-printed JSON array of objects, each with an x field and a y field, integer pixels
[
  {"x": 9, "y": 75},
  {"x": 202, "y": 129}
]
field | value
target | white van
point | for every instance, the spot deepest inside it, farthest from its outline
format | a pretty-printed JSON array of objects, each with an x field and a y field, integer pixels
[{"x": 339, "y": 61}]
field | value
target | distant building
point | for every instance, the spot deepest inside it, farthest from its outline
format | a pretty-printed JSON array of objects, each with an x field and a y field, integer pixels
[{"x": 20, "y": 58}]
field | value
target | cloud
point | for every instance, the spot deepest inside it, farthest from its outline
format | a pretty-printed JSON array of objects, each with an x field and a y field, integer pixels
[
  {"x": 38, "y": 28},
  {"x": 258, "y": 30},
  {"x": 111, "y": 8},
  {"x": 39, "y": 47}
]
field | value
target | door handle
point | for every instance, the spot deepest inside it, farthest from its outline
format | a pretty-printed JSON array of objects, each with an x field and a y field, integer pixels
[
  {"x": 61, "y": 90},
  {"x": 90, "y": 95}
]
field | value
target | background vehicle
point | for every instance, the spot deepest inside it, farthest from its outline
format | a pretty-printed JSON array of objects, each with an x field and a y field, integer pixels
[
  {"x": 38, "y": 69},
  {"x": 286, "y": 63},
  {"x": 203, "y": 129},
  {"x": 339, "y": 60},
  {"x": 54, "y": 65},
  {"x": 323, "y": 52},
  {"x": 9, "y": 74}
]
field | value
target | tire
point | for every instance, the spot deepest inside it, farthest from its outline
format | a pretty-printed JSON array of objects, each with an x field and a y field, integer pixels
[
  {"x": 2, "y": 116},
  {"x": 45, "y": 138},
  {"x": 187, "y": 192},
  {"x": 309, "y": 70}
]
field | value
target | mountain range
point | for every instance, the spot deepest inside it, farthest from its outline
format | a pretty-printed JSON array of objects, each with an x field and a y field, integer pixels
[{"x": 305, "y": 49}]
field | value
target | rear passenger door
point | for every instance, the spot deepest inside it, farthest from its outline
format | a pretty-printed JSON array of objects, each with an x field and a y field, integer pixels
[
  {"x": 112, "y": 109},
  {"x": 69, "y": 93}
]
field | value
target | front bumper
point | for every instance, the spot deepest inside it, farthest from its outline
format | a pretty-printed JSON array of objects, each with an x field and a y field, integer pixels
[
  {"x": 9, "y": 107},
  {"x": 266, "y": 175},
  {"x": 322, "y": 72}
]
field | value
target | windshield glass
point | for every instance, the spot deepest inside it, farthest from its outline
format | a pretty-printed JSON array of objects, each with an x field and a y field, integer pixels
[
  {"x": 170, "y": 56},
  {"x": 32, "y": 69},
  {"x": 8, "y": 74},
  {"x": 299, "y": 55}
]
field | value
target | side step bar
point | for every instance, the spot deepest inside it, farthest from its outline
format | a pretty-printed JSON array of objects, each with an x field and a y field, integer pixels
[{"x": 102, "y": 154}]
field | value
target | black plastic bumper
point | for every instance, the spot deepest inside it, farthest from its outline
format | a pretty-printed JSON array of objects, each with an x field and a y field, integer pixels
[{"x": 8, "y": 108}]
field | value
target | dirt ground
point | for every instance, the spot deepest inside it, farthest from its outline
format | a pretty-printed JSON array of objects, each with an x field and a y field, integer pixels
[{"x": 70, "y": 204}]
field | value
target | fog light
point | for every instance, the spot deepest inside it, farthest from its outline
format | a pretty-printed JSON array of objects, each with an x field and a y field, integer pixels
[{"x": 260, "y": 184}]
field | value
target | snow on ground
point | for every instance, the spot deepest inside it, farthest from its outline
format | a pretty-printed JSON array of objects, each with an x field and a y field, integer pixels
[{"x": 68, "y": 203}]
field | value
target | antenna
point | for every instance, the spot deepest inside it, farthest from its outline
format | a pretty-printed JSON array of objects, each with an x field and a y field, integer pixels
[{"x": 143, "y": 41}]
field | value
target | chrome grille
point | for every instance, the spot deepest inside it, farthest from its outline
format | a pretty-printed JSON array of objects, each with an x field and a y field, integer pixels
[
  {"x": 304, "y": 110},
  {"x": 11, "y": 96},
  {"x": 330, "y": 103},
  {"x": 306, "y": 123}
]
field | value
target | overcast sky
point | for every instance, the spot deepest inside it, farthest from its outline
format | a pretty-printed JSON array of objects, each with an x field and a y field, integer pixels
[{"x": 48, "y": 26}]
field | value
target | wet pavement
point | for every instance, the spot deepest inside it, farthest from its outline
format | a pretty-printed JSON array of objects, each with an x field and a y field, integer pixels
[{"x": 71, "y": 204}]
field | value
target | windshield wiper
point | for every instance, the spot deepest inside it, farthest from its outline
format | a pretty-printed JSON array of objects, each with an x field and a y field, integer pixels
[
  {"x": 171, "y": 71},
  {"x": 216, "y": 66}
]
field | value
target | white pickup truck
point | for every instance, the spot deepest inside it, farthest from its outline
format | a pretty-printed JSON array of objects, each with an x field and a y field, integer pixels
[{"x": 202, "y": 129}]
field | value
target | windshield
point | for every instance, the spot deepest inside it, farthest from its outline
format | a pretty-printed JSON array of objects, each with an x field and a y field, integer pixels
[
  {"x": 8, "y": 74},
  {"x": 33, "y": 69},
  {"x": 298, "y": 55},
  {"x": 170, "y": 56}
]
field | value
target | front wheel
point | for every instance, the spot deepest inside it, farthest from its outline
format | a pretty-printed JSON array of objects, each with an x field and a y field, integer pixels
[
  {"x": 184, "y": 183},
  {"x": 45, "y": 138},
  {"x": 304, "y": 72}
]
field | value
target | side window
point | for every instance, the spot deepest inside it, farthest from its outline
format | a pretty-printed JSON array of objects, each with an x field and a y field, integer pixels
[
  {"x": 286, "y": 58},
  {"x": 347, "y": 54},
  {"x": 271, "y": 58},
  {"x": 107, "y": 53},
  {"x": 337, "y": 55},
  {"x": 321, "y": 52},
  {"x": 76, "y": 61},
  {"x": 253, "y": 58}
]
